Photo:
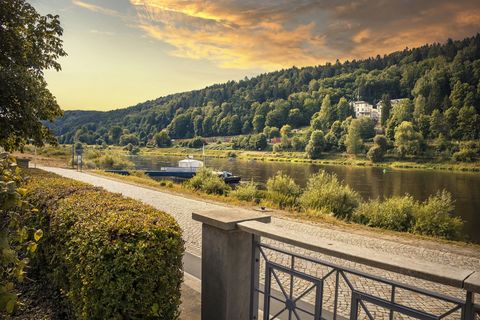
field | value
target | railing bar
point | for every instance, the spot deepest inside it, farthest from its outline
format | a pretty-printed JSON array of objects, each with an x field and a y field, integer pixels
[
  {"x": 266, "y": 296},
  {"x": 364, "y": 307},
  {"x": 298, "y": 274},
  {"x": 306, "y": 311},
  {"x": 305, "y": 292},
  {"x": 278, "y": 299},
  {"x": 279, "y": 313},
  {"x": 335, "y": 301},
  {"x": 296, "y": 314},
  {"x": 328, "y": 274},
  {"x": 347, "y": 281},
  {"x": 371, "y": 277},
  {"x": 449, "y": 312},
  {"x": 291, "y": 276},
  {"x": 397, "y": 307},
  {"x": 262, "y": 252},
  {"x": 279, "y": 283},
  {"x": 392, "y": 299}
]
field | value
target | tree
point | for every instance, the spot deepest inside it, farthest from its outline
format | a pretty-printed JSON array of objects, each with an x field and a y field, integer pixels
[
  {"x": 375, "y": 154},
  {"x": 30, "y": 44},
  {"x": 115, "y": 133},
  {"x": 162, "y": 139},
  {"x": 295, "y": 117},
  {"x": 327, "y": 114},
  {"x": 274, "y": 133},
  {"x": 437, "y": 124},
  {"x": 386, "y": 107},
  {"x": 286, "y": 130},
  {"x": 381, "y": 141},
  {"x": 367, "y": 128},
  {"x": 353, "y": 140},
  {"x": 316, "y": 145},
  {"x": 259, "y": 141},
  {"x": 377, "y": 151},
  {"x": 344, "y": 109},
  {"x": 407, "y": 140},
  {"x": 468, "y": 124},
  {"x": 128, "y": 138}
]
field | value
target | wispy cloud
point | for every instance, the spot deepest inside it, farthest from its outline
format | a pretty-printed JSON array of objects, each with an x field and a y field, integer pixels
[
  {"x": 96, "y": 8},
  {"x": 280, "y": 33}
]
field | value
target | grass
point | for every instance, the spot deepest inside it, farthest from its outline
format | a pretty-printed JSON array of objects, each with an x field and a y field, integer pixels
[
  {"x": 328, "y": 159},
  {"x": 311, "y": 216},
  {"x": 61, "y": 155}
]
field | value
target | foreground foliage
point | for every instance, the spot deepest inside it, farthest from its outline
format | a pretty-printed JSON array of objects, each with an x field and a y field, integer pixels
[
  {"x": 17, "y": 241},
  {"x": 111, "y": 257},
  {"x": 30, "y": 44}
]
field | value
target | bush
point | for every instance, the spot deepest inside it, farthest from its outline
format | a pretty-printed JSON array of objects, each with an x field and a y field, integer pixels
[
  {"x": 111, "y": 257},
  {"x": 205, "y": 180},
  {"x": 396, "y": 213},
  {"x": 247, "y": 192},
  {"x": 381, "y": 141},
  {"x": 435, "y": 218},
  {"x": 113, "y": 162},
  {"x": 283, "y": 191},
  {"x": 375, "y": 154},
  {"x": 324, "y": 191}
]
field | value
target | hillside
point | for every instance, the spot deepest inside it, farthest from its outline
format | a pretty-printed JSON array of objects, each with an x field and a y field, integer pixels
[{"x": 443, "y": 77}]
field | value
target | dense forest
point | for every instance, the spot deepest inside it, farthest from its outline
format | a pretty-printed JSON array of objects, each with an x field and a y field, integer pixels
[{"x": 441, "y": 82}]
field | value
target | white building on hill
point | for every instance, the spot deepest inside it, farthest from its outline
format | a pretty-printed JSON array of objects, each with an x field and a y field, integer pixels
[{"x": 365, "y": 109}]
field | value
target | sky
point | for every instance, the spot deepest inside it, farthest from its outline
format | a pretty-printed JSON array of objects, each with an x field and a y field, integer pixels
[{"x": 122, "y": 52}]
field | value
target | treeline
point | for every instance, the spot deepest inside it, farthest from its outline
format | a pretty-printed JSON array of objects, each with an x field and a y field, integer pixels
[{"x": 441, "y": 81}]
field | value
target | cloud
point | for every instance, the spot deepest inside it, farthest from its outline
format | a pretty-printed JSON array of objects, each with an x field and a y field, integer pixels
[
  {"x": 271, "y": 34},
  {"x": 96, "y": 8}
]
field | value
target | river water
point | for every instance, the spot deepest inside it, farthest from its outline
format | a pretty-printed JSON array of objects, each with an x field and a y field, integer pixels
[{"x": 370, "y": 182}]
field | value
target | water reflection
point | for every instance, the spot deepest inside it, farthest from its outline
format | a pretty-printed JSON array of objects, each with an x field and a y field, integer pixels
[{"x": 369, "y": 182}]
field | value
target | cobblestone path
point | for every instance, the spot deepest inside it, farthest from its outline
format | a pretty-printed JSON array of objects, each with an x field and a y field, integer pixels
[{"x": 181, "y": 209}]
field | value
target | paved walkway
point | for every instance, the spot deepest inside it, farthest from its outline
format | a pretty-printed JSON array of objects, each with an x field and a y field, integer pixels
[{"x": 181, "y": 208}]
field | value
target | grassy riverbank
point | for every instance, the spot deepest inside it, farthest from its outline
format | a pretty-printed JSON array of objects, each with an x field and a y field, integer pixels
[
  {"x": 112, "y": 157},
  {"x": 299, "y": 157},
  {"x": 376, "y": 223}
]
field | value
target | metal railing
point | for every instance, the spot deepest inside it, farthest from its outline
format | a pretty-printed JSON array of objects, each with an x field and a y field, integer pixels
[
  {"x": 363, "y": 295},
  {"x": 359, "y": 301},
  {"x": 252, "y": 269}
]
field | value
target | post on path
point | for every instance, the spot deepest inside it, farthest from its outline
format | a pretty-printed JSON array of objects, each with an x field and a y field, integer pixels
[{"x": 227, "y": 260}]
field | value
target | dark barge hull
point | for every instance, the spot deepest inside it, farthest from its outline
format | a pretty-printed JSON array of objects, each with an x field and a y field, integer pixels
[{"x": 173, "y": 174}]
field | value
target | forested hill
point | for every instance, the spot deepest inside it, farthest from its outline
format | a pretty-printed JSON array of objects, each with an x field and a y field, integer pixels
[{"x": 442, "y": 77}]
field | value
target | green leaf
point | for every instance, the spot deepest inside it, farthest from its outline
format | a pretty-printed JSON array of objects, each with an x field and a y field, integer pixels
[
  {"x": 155, "y": 308},
  {"x": 11, "y": 305}
]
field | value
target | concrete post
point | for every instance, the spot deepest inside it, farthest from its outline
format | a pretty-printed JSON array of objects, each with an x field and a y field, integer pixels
[{"x": 227, "y": 257}]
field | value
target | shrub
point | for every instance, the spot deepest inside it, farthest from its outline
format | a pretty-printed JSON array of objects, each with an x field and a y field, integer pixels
[
  {"x": 469, "y": 152},
  {"x": 375, "y": 154},
  {"x": 396, "y": 213},
  {"x": 111, "y": 161},
  {"x": 205, "y": 180},
  {"x": 381, "y": 141},
  {"x": 283, "y": 191},
  {"x": 324, "y": 191},
  {"x": 17, "y": 241},
  {"x": 247, "y": 192},
  {"x": 434, "y": 218},
  {"x": 111, "y": 257}
]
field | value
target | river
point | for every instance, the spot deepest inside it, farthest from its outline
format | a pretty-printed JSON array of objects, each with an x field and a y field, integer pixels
[{"x": 370, "y": 182}]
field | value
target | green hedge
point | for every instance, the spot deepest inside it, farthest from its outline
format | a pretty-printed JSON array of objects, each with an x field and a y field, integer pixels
[{"x": 111, "y": 257}]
